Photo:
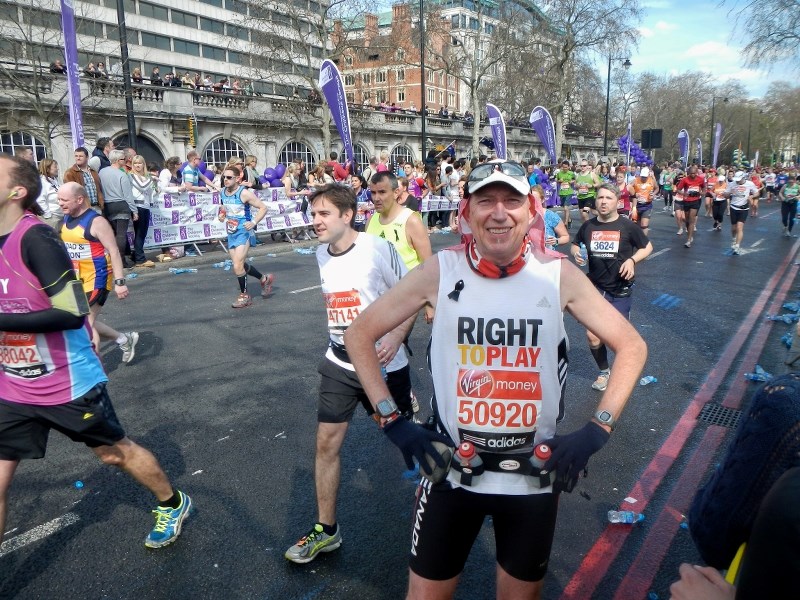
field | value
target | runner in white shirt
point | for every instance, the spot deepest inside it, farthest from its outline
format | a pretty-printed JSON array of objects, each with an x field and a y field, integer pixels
[
  {"x": 356, "y": 268},
  {"x": 742, "y": 191}
]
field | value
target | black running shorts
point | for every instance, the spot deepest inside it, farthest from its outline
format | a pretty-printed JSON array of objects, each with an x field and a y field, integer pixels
[
  {"x": 739, "y": 216},
  {"x": 90, "y": 419},
  {"x": 584, "y": 203},
  {"x": 97, "y": 297},
  {"x": 447, "y": 520},
  {"x": 693, "y": 205},
  {"x": 340, "y": 392}
]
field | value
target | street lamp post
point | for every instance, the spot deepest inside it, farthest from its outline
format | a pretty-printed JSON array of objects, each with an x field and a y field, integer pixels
[
  {"x": 423, "y": 100},
  {"x": 627, "y": 65},
  {"x": 126, "y": 74},
  {"x": 711, "y": 133}
]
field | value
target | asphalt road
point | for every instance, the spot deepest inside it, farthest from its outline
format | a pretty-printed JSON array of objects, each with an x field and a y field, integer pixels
[{"x": 226, "y": 400}]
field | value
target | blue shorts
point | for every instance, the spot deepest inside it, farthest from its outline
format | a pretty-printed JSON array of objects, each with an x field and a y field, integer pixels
[{"x": 240, "y": 237}]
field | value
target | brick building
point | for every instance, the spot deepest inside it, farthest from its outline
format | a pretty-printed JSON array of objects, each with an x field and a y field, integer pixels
[{"x": 383, "y": 64}]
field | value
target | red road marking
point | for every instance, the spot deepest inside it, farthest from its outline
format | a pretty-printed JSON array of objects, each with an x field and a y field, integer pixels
[{"x": 605, "y": 550}]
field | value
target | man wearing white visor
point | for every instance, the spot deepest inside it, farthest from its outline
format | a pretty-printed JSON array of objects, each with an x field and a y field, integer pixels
[{"x": 498, "y": 358}]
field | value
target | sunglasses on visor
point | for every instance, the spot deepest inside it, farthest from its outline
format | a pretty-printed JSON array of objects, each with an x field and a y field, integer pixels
[{"x": 510, "y": 168}]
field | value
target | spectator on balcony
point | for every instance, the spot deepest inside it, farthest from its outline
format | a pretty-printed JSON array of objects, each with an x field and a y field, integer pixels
[
  {"x": 48, "y": 198},
  {"x": 208, "y": 84},
  {"x": 116, "y": 71},
  {"x": 101, "y": 71},
  {"x": 155, "y": 80},
  {"x": 250, "y": 91},
  {"x": 102, "y": 150},
  {"x": 197, "y": 81},
  {"x": 91, "y": 71},
  {"x": 58, "y": 67},
  {"x": 136, "y": 78},
  {"x": 237, "y": 86},
  {"x": 168, "y": 80},
  {"x": 468, "y": 117},
  {"x": 187, "y": 81},
  {"x": 412, "y": 107}
]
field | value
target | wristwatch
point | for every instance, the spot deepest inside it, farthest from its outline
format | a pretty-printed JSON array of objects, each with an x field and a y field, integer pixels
[
  {"x": 606, "y": 418},
  {"x": 386, "y": 408},
  {"x": 119, "y": 282}
]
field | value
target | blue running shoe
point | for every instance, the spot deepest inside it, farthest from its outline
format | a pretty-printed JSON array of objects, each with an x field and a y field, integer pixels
[{"x": 169, "y": 522}]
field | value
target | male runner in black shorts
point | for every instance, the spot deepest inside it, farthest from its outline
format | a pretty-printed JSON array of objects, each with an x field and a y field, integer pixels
[
  {"x": 499, "y": 327},
  {"x": 614, "y": 247},
  {"x": 356, "y": 268}
]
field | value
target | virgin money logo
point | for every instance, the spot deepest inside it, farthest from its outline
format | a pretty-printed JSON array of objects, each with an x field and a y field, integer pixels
[
  {"x": 597, "y": 235},
  {"x": 476, "y": 384}
]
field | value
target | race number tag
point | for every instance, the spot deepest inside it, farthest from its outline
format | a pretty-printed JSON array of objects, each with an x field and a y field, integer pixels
[
  {"x": 565, "y": 185},
  {"x": 604, "y": 242},
  {"x": 498, "y": 409},
  {"x": 583, "y": 189},
  {"x": 342, "y": 308},
  {"x": 20, "y": 355},
  {"x": 231, "y": 225}
]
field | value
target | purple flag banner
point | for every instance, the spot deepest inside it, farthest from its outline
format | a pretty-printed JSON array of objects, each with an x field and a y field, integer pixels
[
  {"x": 330, "y": 82},
  {"x": 698, "y": 153},
  {"x": 73, "y": 72},
  {"x": 683, "y": 146},
  {"x": 630, "y": 140},
  {"x": 542, "y": 124},
  {"x": 498, "y": 127},
  {"x": 717, "y": 138}
]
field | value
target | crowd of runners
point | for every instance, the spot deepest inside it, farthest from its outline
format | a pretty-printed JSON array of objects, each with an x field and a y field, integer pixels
[{"x": 496, "y": 305}]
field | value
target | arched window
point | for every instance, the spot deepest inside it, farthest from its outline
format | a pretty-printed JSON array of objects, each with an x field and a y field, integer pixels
[
  {"x": 293, "y": 150},
  {"x": 401, "y": 155},
  {"x": 220, "y": 151},
  {"x": 9, "y": 142},
  {"x": 361, "y": 156}
]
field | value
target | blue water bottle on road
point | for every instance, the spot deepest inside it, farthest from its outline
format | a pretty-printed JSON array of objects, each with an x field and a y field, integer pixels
[
  {"x": 647, "y": 380},
  {"x": 627, "y": 517}
]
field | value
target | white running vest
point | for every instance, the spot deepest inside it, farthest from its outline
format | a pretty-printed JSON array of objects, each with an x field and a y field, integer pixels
[
  {"x": 499, "y": 361},
  {"x": 352, "y": 281}
]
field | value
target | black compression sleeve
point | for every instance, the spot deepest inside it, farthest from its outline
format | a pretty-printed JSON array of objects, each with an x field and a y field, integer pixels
[{"x": 44, "y": 254}]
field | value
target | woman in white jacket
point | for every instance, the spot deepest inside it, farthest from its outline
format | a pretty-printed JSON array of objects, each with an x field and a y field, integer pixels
[
  {"x": 145, "y": 187},
  {"x": 48, "y": 199}
]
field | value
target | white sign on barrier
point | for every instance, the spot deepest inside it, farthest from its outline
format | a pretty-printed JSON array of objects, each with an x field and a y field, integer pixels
[
  {"x": 193, "y": 217},
  {"x": 436, "y": 203}
]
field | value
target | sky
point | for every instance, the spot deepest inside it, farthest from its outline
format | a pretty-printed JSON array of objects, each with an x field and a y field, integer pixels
[{"x": 696, "y": 35}]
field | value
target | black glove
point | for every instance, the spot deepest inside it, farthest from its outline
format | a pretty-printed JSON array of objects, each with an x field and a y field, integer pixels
[
  {"x": 414, "y": 441},
  {"x": 571, "y": 453}
]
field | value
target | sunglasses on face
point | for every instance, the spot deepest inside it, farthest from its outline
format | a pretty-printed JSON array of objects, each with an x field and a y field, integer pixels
[
  {"x": 512, "y": 169},
  {"x": 228, "y": 177}
]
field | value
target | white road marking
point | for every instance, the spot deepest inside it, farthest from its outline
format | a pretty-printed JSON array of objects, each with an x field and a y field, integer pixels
[
  {"x": 654, "y": 254},
  {"x": 313, "y": 287},
  {"x": 758, "y": 243},
  {"x": 38, "y": 533}
]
